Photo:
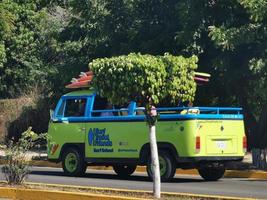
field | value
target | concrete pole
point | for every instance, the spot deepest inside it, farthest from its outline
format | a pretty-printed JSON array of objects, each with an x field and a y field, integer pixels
[{"x": 154, "y": 161}]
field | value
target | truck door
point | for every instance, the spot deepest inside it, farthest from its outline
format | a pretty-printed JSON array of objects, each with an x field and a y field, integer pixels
[
  {"x": 69, "y": 126},
  {"x": 112, "y": 133},
  {"x": 98, "y": 142}
]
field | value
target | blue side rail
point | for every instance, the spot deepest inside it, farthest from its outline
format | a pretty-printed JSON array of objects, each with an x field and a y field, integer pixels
[
  {"x": 169, "y": 113},
  {"x": 214, "y": 110},
  {"x": 217, "y": 110}
]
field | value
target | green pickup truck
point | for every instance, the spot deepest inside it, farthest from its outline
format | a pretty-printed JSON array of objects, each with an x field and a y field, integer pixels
[{"x": 85, "y": 132}]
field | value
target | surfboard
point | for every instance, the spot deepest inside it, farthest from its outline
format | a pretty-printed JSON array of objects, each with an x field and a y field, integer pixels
[
  {"x": 201, "y": 78},
  {"x": 78, "y": 84},
  {"x": 89, "y": 73},
  {"x": 202, "y": 75},
  {"x": 198, "y": 79},
  {"x": 85, "y": 78},
  {"x": 82, "y": 81}
]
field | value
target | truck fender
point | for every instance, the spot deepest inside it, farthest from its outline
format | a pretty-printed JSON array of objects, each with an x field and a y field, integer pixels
[{"x": 79, "y": 146}]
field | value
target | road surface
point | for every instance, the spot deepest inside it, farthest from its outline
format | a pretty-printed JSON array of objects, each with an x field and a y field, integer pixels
[{"x": 235, "y": 187}]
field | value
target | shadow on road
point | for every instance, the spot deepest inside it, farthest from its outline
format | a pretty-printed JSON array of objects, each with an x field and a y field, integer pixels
[{"x": 113, "y": 176}]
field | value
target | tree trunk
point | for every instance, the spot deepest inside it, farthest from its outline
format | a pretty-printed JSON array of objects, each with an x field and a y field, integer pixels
[
  {"x": 259, "y": 158},
  {"x": 154, "y": 161}
]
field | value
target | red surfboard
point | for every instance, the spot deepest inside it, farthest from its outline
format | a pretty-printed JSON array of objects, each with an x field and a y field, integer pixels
[
  {"x": 197, "y": 79},
  {"x": 85, "y": 78},
  {"x": 83, "y": 81},
  {"x": 78, "y": 84}
]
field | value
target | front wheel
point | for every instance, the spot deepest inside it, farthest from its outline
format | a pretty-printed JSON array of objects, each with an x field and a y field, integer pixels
[
  {"x": 211, "y": 173},
  {"x": 166, "y": 164},
  {"x": 73, "y": 163},
  {"x": 124, "y": 170}
]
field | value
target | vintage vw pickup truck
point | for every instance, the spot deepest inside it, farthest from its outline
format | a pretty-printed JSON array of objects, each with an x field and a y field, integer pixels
[{"x": 85, "y": 130}]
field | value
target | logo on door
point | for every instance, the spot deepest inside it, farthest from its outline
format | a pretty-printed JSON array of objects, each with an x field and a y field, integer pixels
[{"x": 98, "y": 137}]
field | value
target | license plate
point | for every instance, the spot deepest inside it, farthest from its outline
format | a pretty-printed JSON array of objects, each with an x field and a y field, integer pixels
[{"x": 221, "y": 144}]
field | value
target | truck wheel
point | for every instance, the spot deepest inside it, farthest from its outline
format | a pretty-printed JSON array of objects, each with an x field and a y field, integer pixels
[
  {"x": 166, "y": 164},
  {"x": 211, "y": 173},
  {"x": 124, "y": 170},
  {"x": 73, "y": 163}
]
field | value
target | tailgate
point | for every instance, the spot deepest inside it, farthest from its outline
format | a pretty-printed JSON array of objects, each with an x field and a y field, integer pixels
[{"x": 221, "y": 137}]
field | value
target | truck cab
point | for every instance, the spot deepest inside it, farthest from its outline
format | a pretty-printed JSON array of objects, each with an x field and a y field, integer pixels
[{"x": 86, "y": 130}]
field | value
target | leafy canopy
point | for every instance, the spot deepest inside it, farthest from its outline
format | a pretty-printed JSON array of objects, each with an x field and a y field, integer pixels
[{"x": 145, "y": 78}]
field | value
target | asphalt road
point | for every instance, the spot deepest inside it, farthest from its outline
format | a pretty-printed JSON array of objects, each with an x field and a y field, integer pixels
[{"x": 235, "y": 187}]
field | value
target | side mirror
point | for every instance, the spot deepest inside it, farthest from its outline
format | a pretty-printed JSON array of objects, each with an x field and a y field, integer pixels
[{"x": 51, "y": 114}]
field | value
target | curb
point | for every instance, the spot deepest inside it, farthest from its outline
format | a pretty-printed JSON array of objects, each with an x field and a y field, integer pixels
[
  {"x": 255, "y": 174},
  {"x": 84, "y": 193},
  {"x": 33, "y": 194}
]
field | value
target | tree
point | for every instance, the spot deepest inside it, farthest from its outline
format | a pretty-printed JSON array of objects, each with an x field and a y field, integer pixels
[
  {"x": 243, "y": 44},
  {"x": 116, "y": 27},
  {"x": 229, "y": 39},
  {"x": 32, "y": 50},
  {"x": 149, "y": 80},
  {"x": 48, "y": 42},
  {"x": 20, "y": 47},
  {"x": 6, "y": 26}
]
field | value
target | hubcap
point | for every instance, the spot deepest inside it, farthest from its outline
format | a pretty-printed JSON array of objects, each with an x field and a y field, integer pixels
[
  {"x": 71, "y": 162},
  {"x": 162, "y": 166}
]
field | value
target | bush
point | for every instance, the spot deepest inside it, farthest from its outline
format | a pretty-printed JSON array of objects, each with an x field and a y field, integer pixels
[
  {"x": 17, "y": 164},
  {"x": 145, "y": 78}
]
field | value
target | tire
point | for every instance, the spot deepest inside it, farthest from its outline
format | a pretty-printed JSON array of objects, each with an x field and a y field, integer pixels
[
  {"x": 124, "y": 170},
  {"x": 211, "y": 173},
  {"x": 73, "y": 163},
  {"x": 167, "y": 166}
]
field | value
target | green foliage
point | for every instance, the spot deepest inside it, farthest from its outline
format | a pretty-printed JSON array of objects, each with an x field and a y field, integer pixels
[
  {"x": 17, "y": 167},
  {"x": 30, "y": 50},
  {"x": 6, "y": 20},
  {"x": 256, "y": 8},
  {"x": 145, "y": 78},
  {"x": 179, "y": 83},
  {"x": 6, "y": 26},
  {"x": 232, "y": 38},
  {"x": 2, "y": 55},
  {"x": 19, "y": 46},
  {"x": 48, "y": 42},
  {"x": 244, "y": 49}
]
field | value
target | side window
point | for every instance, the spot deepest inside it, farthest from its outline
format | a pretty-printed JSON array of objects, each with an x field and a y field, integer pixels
[
  {"x": 99, "y": 104},
  {"x": 102, "y": 108},
  {"x": 75, "y": 107},
  {"x": 140, "y": 109}
]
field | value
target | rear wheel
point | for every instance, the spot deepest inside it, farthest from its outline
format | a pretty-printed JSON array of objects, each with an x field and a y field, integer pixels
[
  {"x": 166, "y": 164},
  {"x": 73, "y": 163},
  {"x": 212, "y": 172},
  {"x": 124, "y": 170}
]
